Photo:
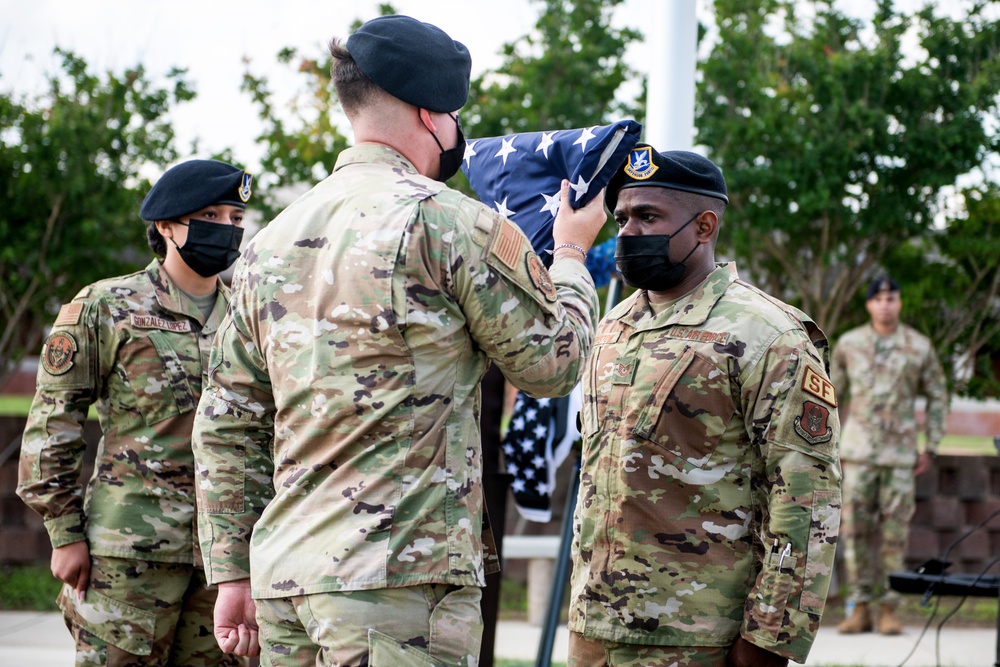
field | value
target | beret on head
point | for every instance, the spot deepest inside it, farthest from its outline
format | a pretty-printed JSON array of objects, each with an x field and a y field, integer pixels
[
  {"x": 413, "y": 61},
  {"x": 881, "y": 284},
  {"x": 193, "y": 185},
  {"x": 675, "y": 170}
]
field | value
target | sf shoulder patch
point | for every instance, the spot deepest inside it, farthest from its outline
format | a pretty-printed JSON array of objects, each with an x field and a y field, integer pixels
[
  {"x": 814, "y": 423},
  {"x": 59, "y": 350},
  {"x": 819, "y": 386},
  {"x": 540, "y": 277}
]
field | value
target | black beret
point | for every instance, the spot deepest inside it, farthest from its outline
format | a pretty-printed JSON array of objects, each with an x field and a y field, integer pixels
[
  {"x": 193, "y": 185},
  {"x": 881, "y": 284},
  {"x": 676, "y": 170},
  {"x": 413, "y": 61}
]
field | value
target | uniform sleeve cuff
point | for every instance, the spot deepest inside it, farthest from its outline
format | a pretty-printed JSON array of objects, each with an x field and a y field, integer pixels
[{"x": 66, "y": 529}]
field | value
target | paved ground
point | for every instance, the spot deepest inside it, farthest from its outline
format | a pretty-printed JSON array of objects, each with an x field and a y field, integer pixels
[{"x": 40, "y": 640}]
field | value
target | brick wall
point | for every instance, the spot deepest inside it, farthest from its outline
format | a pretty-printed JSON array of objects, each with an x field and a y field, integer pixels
[{"x": 957, "y": 494}]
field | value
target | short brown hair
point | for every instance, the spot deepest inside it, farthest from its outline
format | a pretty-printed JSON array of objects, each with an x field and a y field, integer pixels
[{"x": 354, "y": 89}]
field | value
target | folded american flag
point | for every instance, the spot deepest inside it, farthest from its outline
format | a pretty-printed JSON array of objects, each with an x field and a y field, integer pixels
[{"x": 519, "y": 175}]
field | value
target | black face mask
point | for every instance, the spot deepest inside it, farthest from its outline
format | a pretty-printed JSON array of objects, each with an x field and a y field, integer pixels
[
  {"x": 211, "y": 247},
  {"x": 644, "y": 261},
  {"x": 451, "y": 159}
]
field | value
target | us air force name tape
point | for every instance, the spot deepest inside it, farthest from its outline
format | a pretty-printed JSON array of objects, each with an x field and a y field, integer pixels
[
  {"x": 675, "y": 170},
  {"x": 413, "y": 61},
  {"x": 193, "y": 185}
]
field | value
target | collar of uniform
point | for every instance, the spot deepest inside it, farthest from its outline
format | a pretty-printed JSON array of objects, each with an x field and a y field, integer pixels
[
  {"x": 694, "y": 307},
  {"x": 368, "y": 153},
  {"x": 173, "y": 300}
]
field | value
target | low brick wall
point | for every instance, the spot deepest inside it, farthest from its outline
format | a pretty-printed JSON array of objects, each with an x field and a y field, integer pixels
[{"x": 959, "y": 493}]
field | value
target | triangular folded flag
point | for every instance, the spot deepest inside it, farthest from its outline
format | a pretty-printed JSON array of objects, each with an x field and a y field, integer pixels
[{"x": 519, "y": 174}]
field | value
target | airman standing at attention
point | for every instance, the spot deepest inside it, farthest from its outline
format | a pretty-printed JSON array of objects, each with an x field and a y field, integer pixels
[{"x": 136, "y": 347}]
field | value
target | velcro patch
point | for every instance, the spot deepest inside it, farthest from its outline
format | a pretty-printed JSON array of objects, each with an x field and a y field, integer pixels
[
  {"x": 507, "y": 244},
  {"x": 819, "y": 386},
  {"x": 813, "y": 425},
  {"x": 153, "y": 322},
  {"x": 607, "y": 338},
  {"x": 699, "y": 335},
  {"x": 623, "y": 371},
  {"x": 540, "y": 277},
  {"x": 58, "y": 352},
  {"x": 69, "y": 314}
]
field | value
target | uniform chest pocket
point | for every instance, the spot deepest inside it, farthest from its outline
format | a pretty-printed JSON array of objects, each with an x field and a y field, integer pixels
[
  {"x": 687, "y": 411},
  {"x": 164, "y": 374}
]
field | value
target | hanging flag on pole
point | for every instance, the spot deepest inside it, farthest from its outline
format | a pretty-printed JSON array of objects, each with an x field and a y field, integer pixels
[{"x": 520, "y": 175}]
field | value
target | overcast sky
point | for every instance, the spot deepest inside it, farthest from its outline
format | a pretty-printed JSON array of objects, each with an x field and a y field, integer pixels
[{"x": 212, "y": 39}]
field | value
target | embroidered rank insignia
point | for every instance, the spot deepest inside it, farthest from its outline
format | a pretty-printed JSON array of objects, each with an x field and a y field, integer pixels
[
  {"x": 69, "y": 314},
  {"x": 623, "y": 371},
  {"x": 507, "y": 244},
  {"x": 540, "y": 277},
  {"x": 640, "y": 163},
  {"x": 819, "y": 386},
  {"x": 245, "y": 188},
  {"x": 59, "y": 350},
  {"x": 814, "y": 423}
]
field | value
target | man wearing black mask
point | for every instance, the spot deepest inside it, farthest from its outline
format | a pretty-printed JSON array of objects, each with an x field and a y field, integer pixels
[
  {"x": 710, "y": 485},
  {"x": 339, "y": 435},
  {"x": 135, "y": 347}
]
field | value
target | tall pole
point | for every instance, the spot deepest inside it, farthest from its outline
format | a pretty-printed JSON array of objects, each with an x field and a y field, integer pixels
[{"x": 673, "y": 40}]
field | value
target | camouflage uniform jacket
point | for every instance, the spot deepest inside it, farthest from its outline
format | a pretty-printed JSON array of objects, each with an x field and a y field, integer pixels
[
  {"x": 881, "y": 376},
  {"x": 135, "y": 346},
  {"x": 339, "y": 435},
  {"x": 710, "y": 490}
]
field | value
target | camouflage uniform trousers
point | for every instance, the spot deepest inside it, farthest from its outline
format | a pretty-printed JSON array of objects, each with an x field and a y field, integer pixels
[
  {"x": 432, "y": 625},
  {"x": 144, "y": 614},
  {"x": 584, "y": 652},
  {"x": 878, "y": 502}
]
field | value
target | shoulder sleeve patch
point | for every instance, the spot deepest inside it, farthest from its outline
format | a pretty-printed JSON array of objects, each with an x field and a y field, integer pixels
[
  {"x": 507, "y": 244},
  {"x": 813, "y": 423},
  {"x": 69, "y": 314},
  {"x": 819, "y": 386},
  {"x": 540, "y": 277},
  {"x": 58, "y": 353}
]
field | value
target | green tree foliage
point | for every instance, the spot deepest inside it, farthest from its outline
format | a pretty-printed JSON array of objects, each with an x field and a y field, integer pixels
[
  {"x": 70, "y": 162},
  {"x": 951, "y": 289},
  {"x": 565, "y": 74},
  {"x": 301, "y": 138},
  {"x": 837, "y": 141}
]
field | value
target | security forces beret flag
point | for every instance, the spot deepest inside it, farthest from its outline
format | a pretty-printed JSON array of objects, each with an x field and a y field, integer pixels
[
  {"x": 193, "y": 185},
  {"x": 675, "y": 170},
  {"x": 413, "y": 61}
]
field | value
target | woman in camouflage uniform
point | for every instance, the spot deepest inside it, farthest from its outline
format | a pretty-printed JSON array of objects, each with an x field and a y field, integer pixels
[{"x": 135, "y": 347}]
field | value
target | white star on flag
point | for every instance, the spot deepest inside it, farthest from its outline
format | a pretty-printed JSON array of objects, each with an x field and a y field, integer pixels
[
  {"x": 585, "y": 135},
  {"x": 506, "y": 148},
  {"x": 470, "y": 152},
  {"x": 503, "y": 210},
  {"x": 524, "y": 172},
  {"x": 544, "y": 143}
]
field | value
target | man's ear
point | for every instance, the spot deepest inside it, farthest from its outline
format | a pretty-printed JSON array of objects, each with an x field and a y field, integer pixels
[
  {"x": 706, "y": 226},
  {"x": 425, "y": 118}
]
